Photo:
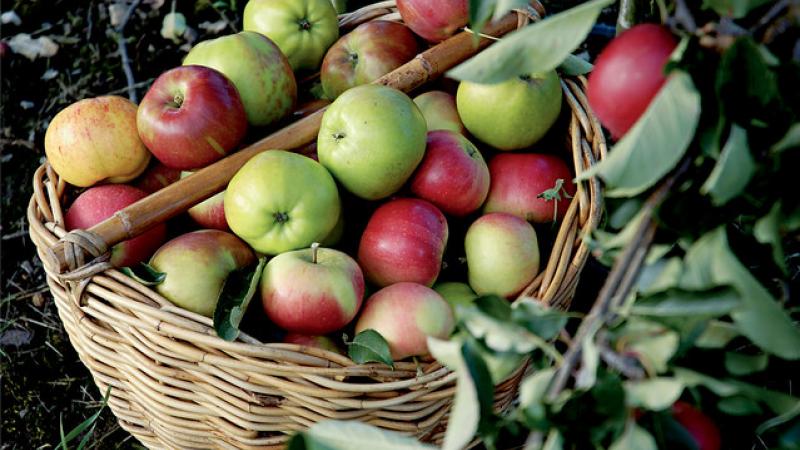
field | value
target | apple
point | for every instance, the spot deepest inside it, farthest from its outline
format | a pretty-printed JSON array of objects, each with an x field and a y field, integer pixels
[
  {"x": 439, "y": 110},
  {"x": 513, "y": 114},
  {"x": 190, "y": 117},
  {"x": 94, "y": 140},
  {"x": 434, "y": 21},
  {"x": 307, "y": 340},
  {"x": 518, "y": 179},
  {"x": 157, "y": 177},
  {"x": 371, "y": 139},
  {"x": 312, "y": 291},
  {"x": 197, "y": 265},
  {"x": 628, "y": 74},
  {"x": 404, "y": 241},
  {"x": 702, "y": 429},
  {"x": 456, "y": 293},
  {"x": 452, "y": 175},
  {"x": 302, "y": 29},
  {"x": 405, "y": 314},
  {"x": 210, "y": 213},
  {"x": 365, "y": 54},
  {"x": 280, "y": 201},
  {"x": 502, "y": 254},
  {"x": 258, "y": 69},
  {"x": 101, "y": 202}
]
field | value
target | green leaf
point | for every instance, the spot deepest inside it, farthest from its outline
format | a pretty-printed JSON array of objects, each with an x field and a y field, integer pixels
[
  {"x": 652, "y": 342},
  {"x": 660, "y": 276},
  {"x": 235, "y": 296},
  {"x": 746, "y": 86},
  {"x": 655, "y": 144},
  {"x": 690, "y": 378},
  {"x": 532, "y": 389},
  {"x": 538, "y": 319},
  {"x": 739, "y": 364},
  {"x": 573, "y": 66},
  {"x": 465, "y": 415},
  {"x": 554, "y": 440},
  {"x": 654, "y": 394},
  {"x": 767, "y": 231},
  {"x": 479, "y": 13},
  {"x": 504, "y": 6},
  {"x": 739, "y": 406},
  {"x": 733, "y": 170},
  {"x": 347, "y": 435},
  {"x": 634, "y": 438},
  {"x": 537, "y": 48},
  {"x": 590, "y": 359},
  {"x": 490, "y": 321},
  {"x": 83, "y": 426},
  {"x": 735, "y": 9},
  {"x": 717, "y": 335},
  {"x": 785, "y": 417},
  {"x": 144, "y": 273},
  {"x": 675, "y": 303},
  {"x": 790, "y": 140},
  {"x": 370, "y": 346}
]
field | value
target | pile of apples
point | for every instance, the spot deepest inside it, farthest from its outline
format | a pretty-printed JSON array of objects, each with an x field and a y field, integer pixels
[{"x": 389, "y": 182}]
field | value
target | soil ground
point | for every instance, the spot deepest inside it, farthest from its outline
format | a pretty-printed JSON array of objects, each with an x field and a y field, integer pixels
[{"x": 43, "y": 383}]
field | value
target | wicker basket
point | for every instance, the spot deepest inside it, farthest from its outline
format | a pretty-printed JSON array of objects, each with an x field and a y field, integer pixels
[{"x": 176, "y": 385}]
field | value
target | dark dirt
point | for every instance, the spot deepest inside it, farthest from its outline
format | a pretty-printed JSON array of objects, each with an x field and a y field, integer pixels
[{"x": 42, "y": 381}]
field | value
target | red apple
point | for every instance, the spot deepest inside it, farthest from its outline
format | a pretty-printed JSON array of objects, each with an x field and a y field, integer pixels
[
  {"x": 434, "y": 20},
  {"x": 191, "y": 117},
  {"x": 99, "y": 203},
  {"x": 705, "y": 433},
  {"x": 312, "y": 291},
  {"x": 210, "y": 213},
  {"x": 307, "y": 340},
  {"x": 405, "y": 314},
  {"x": 197, "y": 265},
  {"x": 452, "y": 175},
  {"x": 156, "y": 177},
  {"x": 440, "y": 111},
  {"x": 518, "y": 179},
  {"x": 628, "y": 73},
  {"x": 365, "y": 54},
  {"x": 404, "y": 241}
]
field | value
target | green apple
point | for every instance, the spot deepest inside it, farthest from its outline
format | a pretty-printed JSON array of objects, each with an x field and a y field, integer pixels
[
  {"x": 456, "y": 293},
  {"x": 280, "y": 201},
  {"x": 502, "y": 254},
  {"x": 197, "y": 265},
  {"x": 371, "y": 139},
  {"x": 513, "y": 114},
  {"x": 302, "y": 29},
  {"x": 258, "y": 69}
]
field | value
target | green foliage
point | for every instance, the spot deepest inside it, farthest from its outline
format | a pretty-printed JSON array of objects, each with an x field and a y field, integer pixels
[
  {"x": 87, "y": 427},
  {"x": 370, "y": 346},
  {"x": 144, "y": 273},
  {"x": 235, "y": 296},
  {"x": 339, "y": 435}
]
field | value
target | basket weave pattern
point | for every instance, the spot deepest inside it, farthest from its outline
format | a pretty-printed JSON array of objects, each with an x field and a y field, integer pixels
[{"x": 176, "y": 385}]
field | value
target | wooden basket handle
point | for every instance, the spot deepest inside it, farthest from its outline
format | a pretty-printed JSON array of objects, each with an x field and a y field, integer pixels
[{"x": 187, "y": 192}]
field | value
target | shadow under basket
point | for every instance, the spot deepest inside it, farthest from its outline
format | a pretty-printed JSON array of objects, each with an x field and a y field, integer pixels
[{"x": 175, "y": 384}]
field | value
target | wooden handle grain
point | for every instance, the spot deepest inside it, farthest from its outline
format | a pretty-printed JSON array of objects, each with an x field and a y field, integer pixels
[{"x": 187, "y": 192}]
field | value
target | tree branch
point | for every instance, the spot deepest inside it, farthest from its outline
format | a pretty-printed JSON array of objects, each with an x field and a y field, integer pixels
[{"x": 123, "y": 51}]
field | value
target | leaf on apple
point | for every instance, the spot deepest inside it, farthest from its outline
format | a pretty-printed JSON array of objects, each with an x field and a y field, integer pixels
[
  {"x": 144, "y": 273},
  {"x": 574, "y": 65},
  {"x": 536, "y": 48},
  {"x": 237, "y": 291},
  {"x": 346, "y": 435},
  {"x": 369, "y": 346}
]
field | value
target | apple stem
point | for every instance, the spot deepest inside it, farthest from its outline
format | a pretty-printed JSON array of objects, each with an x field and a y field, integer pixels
[
  {"x": 314, "y": 250},
  {"x": 177, "y": 100}
]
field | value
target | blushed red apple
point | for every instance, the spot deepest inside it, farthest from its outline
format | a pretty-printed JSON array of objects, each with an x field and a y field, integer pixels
[
  {"x": 519, "y": 179},
  {"x": 452, "y": 175},
  {"x": 365, "y": 54},
  {"x": 191, "y": 117},
  {"x": 439, "y": 109},
  {"x": 101, "y": 202},
  {"x": 702, "y": 429},
  {"x": 157, "y": 177},
  {"x": 210, "y": 213},
  {"x": 404, "y": 241},
  {"x": 405, "y": 314},
  {"x": 312, "y": 291},
  {"x": 307, "y": 340},
  {"x": 196, "y": 265},
  {"x": 628, "y": 74},
  {"x": 434, "y": 20}
]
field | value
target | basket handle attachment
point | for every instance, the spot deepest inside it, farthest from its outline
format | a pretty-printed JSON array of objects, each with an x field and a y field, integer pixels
[{"x": 69, "y": 255}]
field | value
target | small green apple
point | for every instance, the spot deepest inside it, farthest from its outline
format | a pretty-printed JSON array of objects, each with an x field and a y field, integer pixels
[
  {"x": 371, "y": 139},
  {"x": 513, "y": 114},
  {"x": 280, "y": 201},
  {"x": 302, "y": 29},
  {"x": 258, "y": 69},
  {"x": 456, "y": 293}
]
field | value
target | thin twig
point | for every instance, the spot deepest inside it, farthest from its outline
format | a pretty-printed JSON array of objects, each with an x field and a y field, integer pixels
[
  {"x": 626, "y": 365},
  {"x": 123, "y": 51}
]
